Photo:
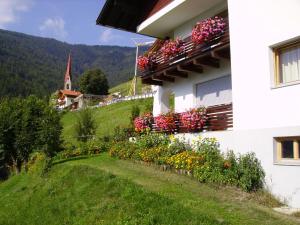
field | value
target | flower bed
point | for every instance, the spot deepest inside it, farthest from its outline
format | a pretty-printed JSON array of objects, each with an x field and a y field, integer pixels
[{"x": 204, "y": 160}]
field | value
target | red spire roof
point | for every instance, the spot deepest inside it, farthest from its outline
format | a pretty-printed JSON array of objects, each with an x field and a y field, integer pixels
[{"x": 68, "y": 71}]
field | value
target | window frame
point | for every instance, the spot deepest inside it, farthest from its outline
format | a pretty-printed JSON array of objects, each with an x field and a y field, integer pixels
[
  {"x": 276, "y": 53},
  {"x": 278, "y": 150}
]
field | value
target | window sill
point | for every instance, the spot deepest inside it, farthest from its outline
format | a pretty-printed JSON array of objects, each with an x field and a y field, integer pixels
[
  {"x": 285, "y": 84},
  {"x": 288, "y": 162}
]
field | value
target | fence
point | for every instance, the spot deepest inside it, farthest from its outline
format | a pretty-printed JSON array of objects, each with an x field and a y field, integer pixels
[{"x": 126, "y": 98}]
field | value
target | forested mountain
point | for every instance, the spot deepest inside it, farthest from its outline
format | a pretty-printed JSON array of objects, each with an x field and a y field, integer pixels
[{"x": 35, "y": 65}]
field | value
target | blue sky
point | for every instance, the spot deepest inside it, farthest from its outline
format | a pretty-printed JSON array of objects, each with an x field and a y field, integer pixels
[{"x": 72, "y": 21}]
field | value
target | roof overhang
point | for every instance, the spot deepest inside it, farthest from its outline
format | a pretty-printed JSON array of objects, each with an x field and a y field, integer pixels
[
  {"x": 124, "y": 14},
  {"x": 173, "y": 15}
]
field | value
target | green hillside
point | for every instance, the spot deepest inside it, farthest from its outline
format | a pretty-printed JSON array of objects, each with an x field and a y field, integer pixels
[
  {"x": 103, "y": 190},
  {"x": 35, "y": 65},
  {"x": 125, "y": 87},
  {"x": 107, "y": 118}
]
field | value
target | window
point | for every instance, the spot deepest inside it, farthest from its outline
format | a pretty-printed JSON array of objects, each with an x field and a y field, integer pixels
[
  {"x": 287, "y": 63},
  {"x": 214, "y": 92},
  {"x": 287, "y": 148}
]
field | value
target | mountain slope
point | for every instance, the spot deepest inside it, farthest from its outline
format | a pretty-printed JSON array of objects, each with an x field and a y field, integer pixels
[{"x": 35, "y": 65}]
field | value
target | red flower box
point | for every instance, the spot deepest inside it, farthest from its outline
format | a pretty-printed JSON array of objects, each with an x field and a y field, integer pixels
[
  {"x": 208, "y": 29},
  {"x": 193, "y": 120},
  {"x": 166, "y": 122}
]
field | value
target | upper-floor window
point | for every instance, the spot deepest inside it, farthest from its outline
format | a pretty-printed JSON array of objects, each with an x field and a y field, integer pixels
[{"x": 287, "y": 63}]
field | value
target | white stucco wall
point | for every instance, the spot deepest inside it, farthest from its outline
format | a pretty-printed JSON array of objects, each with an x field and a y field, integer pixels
[
  {"x": 255, "y": 26},
  {"x": 281, "y": 180},
  {"x": 68, "y": 101}
]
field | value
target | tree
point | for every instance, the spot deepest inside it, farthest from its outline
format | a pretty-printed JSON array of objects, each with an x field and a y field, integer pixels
[
  {"x": 50, "y": 132},
  {"x": 27, "y": 136},
  {"x": 85, "y": 128},
  {"x": 27, "y": 125},
  {"x": 93, "y": 82}
]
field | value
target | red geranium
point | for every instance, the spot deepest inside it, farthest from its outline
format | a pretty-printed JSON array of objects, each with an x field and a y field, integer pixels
[
  {"x": 172, "y": 48},
  {"x": 208, "y": 29},
  {"x": 166, "y": 122},
  {"x": 143, "y": 123},
  {"x": 194, "y": 119},
  {"x": 143, "y": 62}
]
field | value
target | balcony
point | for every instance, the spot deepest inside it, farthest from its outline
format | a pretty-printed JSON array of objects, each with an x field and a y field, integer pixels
[
  {"x": 219, "y": 118},
  {"x": 193, "y": 58}
]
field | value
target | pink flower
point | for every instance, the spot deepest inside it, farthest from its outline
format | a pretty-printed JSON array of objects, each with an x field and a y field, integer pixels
[
  {"x": 143, "y": 123},
  {"x": 194, "y": 119},
  {"x": 208, "y": 29},
  {"x": 172, "y": 48},
  {"x": 166, "y": 122}
]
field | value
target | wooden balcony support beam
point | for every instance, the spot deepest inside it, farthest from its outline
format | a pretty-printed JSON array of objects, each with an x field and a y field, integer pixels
[
  {"x": 190, "y": 68},
  {"x": 175, "y": 73},
  {"x": 207, "y": 60},
  {"x": 162, "y": 77},
  {"x": 151, "y": 81},
  {"x": 221, "y": 53}
]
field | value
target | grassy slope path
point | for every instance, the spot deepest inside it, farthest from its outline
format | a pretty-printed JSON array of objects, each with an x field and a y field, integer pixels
[
  {"x": 103, "y": 190},
  {"x": 223, "y": 205}
]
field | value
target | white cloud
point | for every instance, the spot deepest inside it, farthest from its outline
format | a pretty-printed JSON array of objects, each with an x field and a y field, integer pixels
[
  {"x": 54, "y": 27},
  {"x": 10, "y": 8},
  {"x": 108, "y": 36}
]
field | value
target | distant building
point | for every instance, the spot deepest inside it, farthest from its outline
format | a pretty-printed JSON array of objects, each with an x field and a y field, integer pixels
[{"x": 66, "y": 96}]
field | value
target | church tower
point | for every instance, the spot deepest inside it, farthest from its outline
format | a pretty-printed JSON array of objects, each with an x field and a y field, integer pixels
[{"x": 68, "y": 84}]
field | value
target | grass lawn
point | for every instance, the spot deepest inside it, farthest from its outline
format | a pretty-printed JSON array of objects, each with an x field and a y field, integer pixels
[
  {"x": 107, "y": 118},
  {"x": 103, "y": 190}
]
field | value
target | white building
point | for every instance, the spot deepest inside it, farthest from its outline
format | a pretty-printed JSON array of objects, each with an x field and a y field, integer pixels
[{"x": 257, "y": 69}]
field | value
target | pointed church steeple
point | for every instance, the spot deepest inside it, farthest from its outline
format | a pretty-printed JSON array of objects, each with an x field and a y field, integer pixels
[{"x": 68, "y": 84}]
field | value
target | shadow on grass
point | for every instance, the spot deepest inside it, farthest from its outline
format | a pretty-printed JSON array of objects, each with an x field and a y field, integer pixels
[
  {"x": 59, "y": 161},
  {"x": 71, "y": 159}
]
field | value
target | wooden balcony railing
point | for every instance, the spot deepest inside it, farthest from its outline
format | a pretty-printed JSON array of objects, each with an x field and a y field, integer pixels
[
  {"x": 193, "y": 58},
  {"x": 219, "y": 117}
]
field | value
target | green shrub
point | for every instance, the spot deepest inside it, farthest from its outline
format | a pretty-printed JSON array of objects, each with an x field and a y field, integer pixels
[
  {"x": 251, "y": 173},
  {"x": 85, "y": 127},
  {"x": 230, "y": 168},
  {"x": 123, "y": 133},
  {"x": 177, "y": 146},
  {"x": 135, "y": 112},
  {"x": 39, "y": 163},
  {"x": 152, "y": 140}
]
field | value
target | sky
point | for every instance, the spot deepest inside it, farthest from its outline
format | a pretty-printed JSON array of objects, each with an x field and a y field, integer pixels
[{"x": 72, "y": 21}]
